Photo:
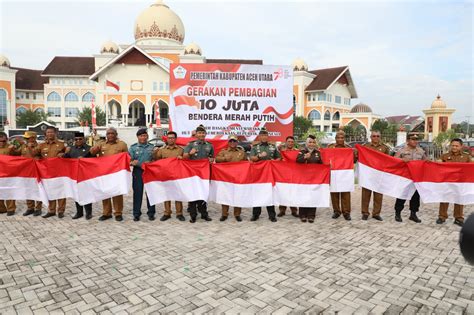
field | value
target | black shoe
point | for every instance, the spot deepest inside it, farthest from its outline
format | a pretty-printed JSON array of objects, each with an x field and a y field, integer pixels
[
  {"x": 151, "y": 217},
  {"x": 273, "y": 219},
  {"x": 28, "y": 212},
  {"x": 77, "y": 216},
  {"x": 9, "y": 214},
  {"x": 60, "y": 215},
  {"x": 181, "y": 217},
  {"x": 303, "y": 220},
  {"x": 105, "y": 217},
  {"x": 365, "y": 217},
  {"x": 336, "y": 215},
  {"x": 118, "y": 218},
  {"x": 166, "y": 217},
  {"x": 280, "y": 214},
  {"x": 207, "y": 218},
  {"x": 347, "y": 217},
  {"x": 238, "y": 218},
  {"x": 136, "y": 219},
  {"x": 440, "y": 221},
  {"x": 311, "y": 220},
  {"x": 458, "y": 222},
  {"x": 37, "y": 213},
  {"x": 295, "y": 214},
  {"x": 88, "y": 216},
  {"x": 254, "y": 218},
  {"x": 193, "y": 220},
  {"x": 414, "y": 218},
  {"x": 398, "y": 216},
  {"x": 377, "y": 217},
  {"x": 223, "y": 218},
  {"x": 48, "y": 215}
]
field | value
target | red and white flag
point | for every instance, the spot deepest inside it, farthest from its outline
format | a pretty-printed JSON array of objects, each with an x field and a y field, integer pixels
[
  {"x": 111, "y": 84},
  {"x": 443, "y": 182},
  {"x": 341, "y": 161},
  {"x": 289, "y": 155},
  {"x": 59, "y": 177},
  {"x": 242, "y": 184},
  {"x": 19, "y": 179},
  {"x": 300, "y": 185},
  {"x": 93, "y": 115},
  {"x": 384, "y": 174},
  {"x": 175, "y": 179},
  {"x": 157, "y": 114}
]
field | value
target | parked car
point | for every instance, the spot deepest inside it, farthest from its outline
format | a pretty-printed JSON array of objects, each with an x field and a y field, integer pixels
[
  {"x": 468, "y": 146},
  {"x": 39, "y": 138},
  {"x": 157, "y": 142},
  {"x": 431, "y": 150}
]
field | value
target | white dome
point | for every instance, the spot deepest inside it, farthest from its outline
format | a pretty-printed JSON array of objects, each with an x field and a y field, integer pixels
[
  {"x": 4, "y": 62},
  {"x": 193, "y": 49},
  {"x": 299, "y": 65},
  {"x": 159, "y": 22},
  {"x": 109, "y": 48},
  {"x": 438, "y": 103}
]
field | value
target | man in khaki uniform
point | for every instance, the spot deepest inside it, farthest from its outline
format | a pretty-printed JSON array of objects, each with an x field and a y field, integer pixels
[
  {"x": 51, "y": 148},
  {"x": 454, "y": 155},
  {"x": 30, "y": 149},
  {"x": 171, "y": 150},
  {"x": 289, "y": 145},
  {"x": 341, "y": 201},
  {"x": 111, "y": 146},
  {"x": 377, "y": 145},
  {"x": 6, "y": 206},
  {"x": 231, "y": 154}
]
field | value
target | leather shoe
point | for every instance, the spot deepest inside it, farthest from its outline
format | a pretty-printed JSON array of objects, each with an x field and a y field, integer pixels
[
  {"x": 207, "y": 218},
  {"x": 10, "y": 213},
  {"x": 280, "y": 214},
  {"x": 37, "y": 213},
  {"x": 295, "y": 214},
  {"x": 273, "y": 219},
  {"x": 60, "y": 215},
  {"x": 88, "y": 216},
  {"x": 105, "y": 217},
  {"x": 440, "y": 221},
  {"x": 377, "y": 217},
  {"x": 254, "y": 218},
  {"x": 398, "y": 216},
  {"x": 165, "y": 217},
  {"x": 365, "y": 217},
  {"x": 414, "y": 218},
  {"x": 151, "y": 217},
  {"x": 77, "y": 216},
  {"x": 238, "y": 218},
  {"x": 311, "y": 220},
  {"x": 336, "y": 215},
  {"x": 223, "y": 218},
  {"x": 28, "y": 212},
  {"x": 347, "y": 217},
  {"x": 118, "y": 218},
  {"x": 458, "y": 222},
  {"x": 303, "y": 220},
  {"x": 136, "y": 219},
  {"x": 193, "y": 220},
  {"x": 48, "y": 215},
  {"x": 181, "y": 217}
]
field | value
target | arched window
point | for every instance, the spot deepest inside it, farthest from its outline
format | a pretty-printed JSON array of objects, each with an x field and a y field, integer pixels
[
  {"x": 39, "y": 110},
  {"x": 71, "y": 97},
  {"x": 88, "y": 97},
  {"x": 54, "y": 97},
  {"x": 20, "y": 110},
  {"x": 327, "y": 115},
  {"x": 336, "y": 116},
  {"x": 3, "y": 107},
  {"x": 314, "y": 115}
]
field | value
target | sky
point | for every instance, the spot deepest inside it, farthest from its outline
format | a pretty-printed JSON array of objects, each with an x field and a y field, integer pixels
[{"x": 401, "y": 54}]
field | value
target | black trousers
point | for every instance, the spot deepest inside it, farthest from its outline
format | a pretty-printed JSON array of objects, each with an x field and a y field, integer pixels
[
  {"x": 307, "y": 213},
  {"x": 256, "y": 211},
  {"x": 80, "y": 209},
  {"x": 137, "y": 185},
  {"x": 414, "y": 203},
  {"x": 198, "y": 205}
]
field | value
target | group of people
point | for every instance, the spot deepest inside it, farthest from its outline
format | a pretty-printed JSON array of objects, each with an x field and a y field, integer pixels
[{"x": 144, "y": 152}]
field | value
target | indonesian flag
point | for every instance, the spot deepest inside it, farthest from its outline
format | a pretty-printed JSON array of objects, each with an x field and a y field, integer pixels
[
  {"x": 93, "y": 115},
  {"x": 341, "y": 161},
  {"x": 384, "y": 174},
  {"x": 300, "y": 185},
  {"x": 289, "y": 155},
  {"x": 103, "y": 177},
  {"x": 443, "y": 182},
  {"x": 176, "y": 179},
  {"x": 242, "y": 184},
  {"x": 157, "y": 115},
  {"x": 216, "y": 143},
  {"x": 111, "y": 84},
  {"x": 19, "y": 179},
  {"x": 59, "y": 177}
]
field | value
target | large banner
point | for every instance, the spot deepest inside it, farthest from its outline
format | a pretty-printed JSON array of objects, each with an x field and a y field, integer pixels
[{"x": 228, "y": 99}]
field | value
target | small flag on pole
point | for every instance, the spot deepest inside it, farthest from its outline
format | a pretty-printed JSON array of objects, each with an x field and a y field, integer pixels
[
  {"x": 112, "y": 85},
  {"x": 157, "y": 115},
  {"x": 94, "y": 120}
]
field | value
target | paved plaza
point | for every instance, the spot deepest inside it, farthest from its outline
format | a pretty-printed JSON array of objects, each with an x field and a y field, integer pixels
[{"x": 331, "y": 266}]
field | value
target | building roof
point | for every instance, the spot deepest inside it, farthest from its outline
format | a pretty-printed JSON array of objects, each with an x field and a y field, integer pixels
[
  {"x": 324, "y": 78},
  {"x": 361, "y": 108},
  {"x": 28, "y": 79},
  {"x": 242, "y": 61},
  {"x": 70, "y": 66},
  {"x": 402, "y": 119}
]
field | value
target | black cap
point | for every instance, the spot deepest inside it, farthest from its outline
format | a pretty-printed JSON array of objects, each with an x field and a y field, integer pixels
[
  {"x": 200, "y": 128},
  {"x": 78, "y": 135},
  {"x": 141, "y": 131},
  {"x": 412, "y": 136},
  {"x": 263, "y": 131}
]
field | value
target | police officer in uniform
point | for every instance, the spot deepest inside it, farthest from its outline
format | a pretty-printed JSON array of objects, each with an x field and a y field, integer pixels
[
  {"x": 30, "y": 149},
  {"x": 140, "y": 152},
  {"x": 341, "y": 201},
  {"x": 170, "y": 150},
  {"x": 197, "y": 150},
  {"x": 309, "y": 155},
  {"x": 410, "y": 152},
  {"x": 51, "y": 148},
  {"x": 111, "y": 146},
  {"x": 232, "y": 153},
  {"x": 261, "y": 151},
  {"x": 455, "y": 154},
  {"x": 377, "y": 145},
  {"x": 289, "y": 145},
  {"x": 6, "y": 206},
  {"x": 79, "y": 150}
]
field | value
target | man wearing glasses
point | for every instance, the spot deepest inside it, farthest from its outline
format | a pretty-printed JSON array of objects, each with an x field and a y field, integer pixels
[
  {"x": 80, "y": 150},
  {"x": 377, "y": 145}
]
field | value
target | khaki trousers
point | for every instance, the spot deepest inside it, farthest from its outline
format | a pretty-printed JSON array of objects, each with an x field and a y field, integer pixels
[
  {"x": 32, "y": 205},
  {"x": 341, "y": 201},
  {"x": 225, "y": 211},
  {"x": 61, "y": 203},
  {"x": 458, "y": 211},
  {"x": 366, "y": 194},
  {"x": 177, "y": 204},
  {"x": 7, "y": 206},
  {"x": 118, "y": 205}
]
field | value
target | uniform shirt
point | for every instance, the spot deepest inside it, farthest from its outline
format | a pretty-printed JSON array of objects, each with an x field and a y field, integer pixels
[
  {"x": 7, "y": 150},
  {"x": 460, "y": 157},
  {"x": 51, "y": 148},
  {"x": 231, "y": 155},
  {"x": 204, "y": 150},
  {"x": 270, "y": 149},
  {"x": 141, "y": 152},
  {"x": 111, "y": 148},
  {"x": 168, "y": 151},
  {"x": 25, "y": 151},
  {"x": 76, "y": 152},
  {"x": 412, "y": 154},
  {"x": 378, "y": 147},
  {"x": 314, "y": 158}
]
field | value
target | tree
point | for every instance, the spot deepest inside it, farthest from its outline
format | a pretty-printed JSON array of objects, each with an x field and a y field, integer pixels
[
  {"x": 319, "y": 135},
  {"x": 443, "y": 138},
  {"x": 30, "y": 118},
  {"x": 301, "y": 125},
  {"x": 85, "y": 114}
]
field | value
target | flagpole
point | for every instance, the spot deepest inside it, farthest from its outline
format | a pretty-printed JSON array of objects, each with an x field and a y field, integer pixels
[{"x": 106, "y": 103}]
